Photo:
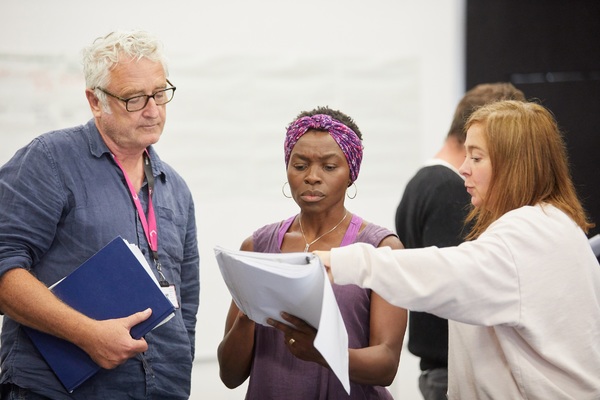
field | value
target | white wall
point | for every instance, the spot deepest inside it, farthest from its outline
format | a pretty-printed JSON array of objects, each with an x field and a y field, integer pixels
[{"x": 244, "y": 70}]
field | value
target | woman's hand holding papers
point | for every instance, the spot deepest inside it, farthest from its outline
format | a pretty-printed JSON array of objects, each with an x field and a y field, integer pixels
[{"x": 299, "y": 338}]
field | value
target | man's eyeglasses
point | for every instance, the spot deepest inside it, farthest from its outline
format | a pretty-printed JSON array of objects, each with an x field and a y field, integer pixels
[{"x": 137, "y": 103}]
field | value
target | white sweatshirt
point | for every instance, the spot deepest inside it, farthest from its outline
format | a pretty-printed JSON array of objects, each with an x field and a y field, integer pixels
[{"x": 523, "y": 300}]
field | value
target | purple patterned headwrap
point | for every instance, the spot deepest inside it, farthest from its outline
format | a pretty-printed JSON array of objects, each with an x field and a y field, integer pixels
[{"x": 345, "y": 137}]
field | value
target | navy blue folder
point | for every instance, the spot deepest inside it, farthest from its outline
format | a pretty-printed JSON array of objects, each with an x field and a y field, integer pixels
[{"x": 110, "y": 284}]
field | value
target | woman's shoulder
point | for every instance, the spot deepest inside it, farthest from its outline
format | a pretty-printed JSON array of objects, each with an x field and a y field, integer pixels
[
  {"x": 267, "y": 237},
  {"x": 542, "y": 222},
  {"x": 374, "y": 234},
  {"x": 542, "y": 213},
  {"x": 268, "y": 227}
]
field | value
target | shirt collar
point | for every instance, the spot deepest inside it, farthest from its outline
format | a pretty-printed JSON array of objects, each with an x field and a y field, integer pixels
[
  {"x": 98, "y": 148},
  {"x": 439, "y": 161}
]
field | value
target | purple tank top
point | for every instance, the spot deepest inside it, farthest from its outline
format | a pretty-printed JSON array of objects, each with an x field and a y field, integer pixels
[{"x": 276, "y": 374}]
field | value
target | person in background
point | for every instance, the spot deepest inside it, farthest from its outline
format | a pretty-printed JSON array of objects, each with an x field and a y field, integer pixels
[
  {"x": 70, "y": 192},
  {"x": 432, "y": 212},
  {"x": 323, "y": 153},
  {"x": 522, "y": 293}
]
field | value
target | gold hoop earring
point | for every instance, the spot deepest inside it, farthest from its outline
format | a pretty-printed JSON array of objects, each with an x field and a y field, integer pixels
[
  {"x": 355, "y": 191},
  {"x": 283, "y": 190}
]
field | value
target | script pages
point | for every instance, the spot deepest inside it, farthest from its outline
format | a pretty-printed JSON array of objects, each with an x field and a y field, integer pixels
[{"x": 265, "y": 284}]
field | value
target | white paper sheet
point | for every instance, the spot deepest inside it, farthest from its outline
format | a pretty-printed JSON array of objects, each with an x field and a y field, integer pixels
[{"x": 265, "y": 284}]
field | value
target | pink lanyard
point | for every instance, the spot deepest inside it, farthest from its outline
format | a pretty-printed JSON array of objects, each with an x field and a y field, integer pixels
[{"x": 149, "y": 223}]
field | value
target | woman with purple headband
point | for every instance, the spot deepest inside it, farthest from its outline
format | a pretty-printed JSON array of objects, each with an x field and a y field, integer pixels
[{"x": 323, "y": 153}]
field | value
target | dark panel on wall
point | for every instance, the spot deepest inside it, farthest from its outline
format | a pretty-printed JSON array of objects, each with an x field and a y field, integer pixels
[{"x": 550, "y": 49}]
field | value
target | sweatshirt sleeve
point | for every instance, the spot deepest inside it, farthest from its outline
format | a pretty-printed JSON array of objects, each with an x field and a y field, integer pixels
[
  {"x": 472, "y": 283},
  {"x": 349, "y": 266}
]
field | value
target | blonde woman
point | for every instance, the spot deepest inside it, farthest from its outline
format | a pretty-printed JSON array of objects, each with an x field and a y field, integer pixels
[{"x": 523, "y": 293}]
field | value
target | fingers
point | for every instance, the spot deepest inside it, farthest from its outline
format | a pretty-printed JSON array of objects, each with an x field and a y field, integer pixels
[
  {"x": 138, "y": 317},
  {"x": 293, "y": 320},
  {"x": 324, "y": 256},
  {"x": 288, "y": 331},
  {"x": 299, "y": 330},
  {"x": 298, "y": 337},
  {"x": 277, "y": 325},
  {"x": 140, "y": 347},
  {"x": 110, "y": 344},
  {"x": 297, "y": 323}
]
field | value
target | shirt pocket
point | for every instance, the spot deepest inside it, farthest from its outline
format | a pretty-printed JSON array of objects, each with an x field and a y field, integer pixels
[{"x": 171, "y": 236}]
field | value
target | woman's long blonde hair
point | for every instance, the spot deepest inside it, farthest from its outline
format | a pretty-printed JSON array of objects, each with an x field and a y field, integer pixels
[{"x": 529, "y": 164}]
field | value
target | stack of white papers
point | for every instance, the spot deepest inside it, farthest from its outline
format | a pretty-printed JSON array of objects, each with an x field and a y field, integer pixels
[{"x": 265, "y": 284}]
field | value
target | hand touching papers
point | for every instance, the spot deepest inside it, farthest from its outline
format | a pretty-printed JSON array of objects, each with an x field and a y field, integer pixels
[
  {"x": 263, "y": 285},
  {"x": 324, "y": 256}
]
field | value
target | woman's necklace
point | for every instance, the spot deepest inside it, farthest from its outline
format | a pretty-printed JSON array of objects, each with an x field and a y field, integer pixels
[{"x": 314, "y": 241}]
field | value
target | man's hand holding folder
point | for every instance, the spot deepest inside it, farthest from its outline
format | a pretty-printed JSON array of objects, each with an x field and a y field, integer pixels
[
  {"x": 109, "y": 342},
  {"x": 120, "y": 300}
]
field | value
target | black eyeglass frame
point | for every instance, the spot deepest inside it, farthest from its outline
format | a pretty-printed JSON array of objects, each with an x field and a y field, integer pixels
[{"x": 148, "y": 97}]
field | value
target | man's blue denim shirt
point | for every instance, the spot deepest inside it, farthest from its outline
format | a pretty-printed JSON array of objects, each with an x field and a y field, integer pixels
[{"x": 62, "y": 198}]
